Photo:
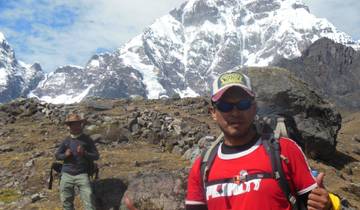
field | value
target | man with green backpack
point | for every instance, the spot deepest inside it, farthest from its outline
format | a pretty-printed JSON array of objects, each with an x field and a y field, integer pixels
[
  {"x": 78, "y": 152},
  {"x": 247, "y": 168}
]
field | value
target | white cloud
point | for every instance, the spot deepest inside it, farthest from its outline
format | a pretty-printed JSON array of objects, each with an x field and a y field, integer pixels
[
  {"x": 111, "y": 23},
  {"x": 98, "y": 24},
  {"x": 344, "y": 14}
]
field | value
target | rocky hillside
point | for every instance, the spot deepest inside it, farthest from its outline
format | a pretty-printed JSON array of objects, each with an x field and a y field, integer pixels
[
  {"x": 332, "y": 69},
  {"x": 147, "y": 146},
  {"x": 181, "y": 52}
]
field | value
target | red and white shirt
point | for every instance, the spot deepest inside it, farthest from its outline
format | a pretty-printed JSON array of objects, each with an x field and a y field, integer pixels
[{"x": 256, "y": 193}]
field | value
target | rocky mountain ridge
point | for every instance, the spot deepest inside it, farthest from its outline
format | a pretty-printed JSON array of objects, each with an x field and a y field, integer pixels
[
  {"x": 16, "y": 78},
  {"x": 332, "y": 69}
]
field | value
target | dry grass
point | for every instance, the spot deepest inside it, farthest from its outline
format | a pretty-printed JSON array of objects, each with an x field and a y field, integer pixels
[{"x": 29, "y": 138}]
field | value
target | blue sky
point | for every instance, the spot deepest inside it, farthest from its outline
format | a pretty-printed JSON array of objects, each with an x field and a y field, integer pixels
[{"x": 62, "y": 32}]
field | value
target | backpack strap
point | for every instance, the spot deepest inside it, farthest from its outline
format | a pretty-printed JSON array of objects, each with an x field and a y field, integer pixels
[
  {"x": 55, "y": 166},
  {"x": 280, "y": 129},
  {"x": 272, "y": 148},
  {"x": 93, "y": 170},
  {"x": 207, "y": 159}
]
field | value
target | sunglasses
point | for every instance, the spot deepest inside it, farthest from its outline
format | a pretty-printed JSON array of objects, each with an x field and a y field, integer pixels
[{"x": 227, "y": 107}]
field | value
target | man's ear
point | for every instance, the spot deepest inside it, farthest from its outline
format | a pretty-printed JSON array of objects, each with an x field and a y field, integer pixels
[
  {"x": 212, "y": 111},
  {"x": 255, "y": 108}
]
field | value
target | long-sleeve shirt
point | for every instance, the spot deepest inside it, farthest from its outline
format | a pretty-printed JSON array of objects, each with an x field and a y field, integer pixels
[{"x": 76, "y": 164}]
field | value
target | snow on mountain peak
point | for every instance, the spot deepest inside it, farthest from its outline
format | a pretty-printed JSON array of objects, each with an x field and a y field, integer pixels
[
  {"x": 16, "y": 77},
  {"x": 181, "y": 52},
  {"x": 2, "y": 37}
]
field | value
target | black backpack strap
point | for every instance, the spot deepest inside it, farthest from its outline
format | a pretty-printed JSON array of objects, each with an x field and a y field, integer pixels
[
  {"x": 207, "y": 159},
  {"x": 272, "y": 148},
  {"x": 96, "y": 171},
  {"x": 93, "y": 170},
  {"x": 55, "y": 166}
]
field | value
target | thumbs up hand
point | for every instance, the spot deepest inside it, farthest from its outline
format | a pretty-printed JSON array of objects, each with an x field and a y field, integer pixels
[{"x": 319, "y": 197}]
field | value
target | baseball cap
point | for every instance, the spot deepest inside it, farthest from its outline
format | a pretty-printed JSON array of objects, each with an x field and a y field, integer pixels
[
  {"x": 73, "y": 118},
  {"x": 230, "y": 79}
]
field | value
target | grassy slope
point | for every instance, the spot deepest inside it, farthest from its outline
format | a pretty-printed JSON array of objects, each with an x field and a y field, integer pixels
[{"x": 119, "y": 161}]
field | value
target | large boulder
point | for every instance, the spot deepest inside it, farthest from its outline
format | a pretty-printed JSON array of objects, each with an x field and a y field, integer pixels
[
  {"x": 312, "y": 121},
  {"x": 159, "y": 190}
]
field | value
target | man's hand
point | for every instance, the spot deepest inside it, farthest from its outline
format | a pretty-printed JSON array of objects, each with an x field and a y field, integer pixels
[
  {"x": 319, "y": 197},
  {"x": 80, "y": 150},
  {"x": 68, "y": 152}
]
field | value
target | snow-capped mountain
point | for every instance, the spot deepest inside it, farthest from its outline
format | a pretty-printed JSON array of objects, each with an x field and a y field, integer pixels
[
  {"x": 180, "y": 53},
  {"x": 16, "y": 77},
  {"x": 104, "y": 76}
]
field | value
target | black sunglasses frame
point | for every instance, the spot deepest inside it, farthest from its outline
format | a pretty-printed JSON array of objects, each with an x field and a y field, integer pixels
[{"x": 225, "y": 107}]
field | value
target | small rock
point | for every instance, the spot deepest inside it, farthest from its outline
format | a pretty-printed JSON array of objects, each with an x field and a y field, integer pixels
[
  {"x": 91, "y": 127},
  {"x": 357, "y": 150},
  {"x": 141, "y": 122},
  {"x": 168, "y": 119},
  {"x": 205, "y": 141},
  {"x": 192, "y": 153},
  {"x": 108, "y": 119},
  {"x": 181, "y": 143},
  {"x": 36, "y": 197},
  {"x": 353, "y": 188},
  {"x": 38, "y": 154},
  {"x": 99, "y": 105},
  {"x": 189, "y": 140},
  {"x": 345, "y": 203},
  {"x": 348, "y": 170},
  {"x": 30, "y": 163},
  {"x": 6, "y": 148},
  {"x": 96, "y": 137},
  {"x": 177, "y": 150},
  {"x": 356, "y": 138}
]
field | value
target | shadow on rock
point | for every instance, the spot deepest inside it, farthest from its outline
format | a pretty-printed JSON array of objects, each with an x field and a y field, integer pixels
[
  {"x": 340, "y": 160},
  {"x": 108, "y": 193}
]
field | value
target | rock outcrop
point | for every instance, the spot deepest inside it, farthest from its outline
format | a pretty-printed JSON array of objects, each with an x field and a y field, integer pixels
[
  {"x": 331, "y": 69},
  {"x": 313, "y": 122}
]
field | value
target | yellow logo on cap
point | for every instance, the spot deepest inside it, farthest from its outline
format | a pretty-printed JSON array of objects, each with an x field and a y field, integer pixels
[{"x": 231, "y": 79}]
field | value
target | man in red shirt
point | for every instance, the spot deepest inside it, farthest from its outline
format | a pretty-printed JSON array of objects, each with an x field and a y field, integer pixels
[{"x": 242, "y": 153}]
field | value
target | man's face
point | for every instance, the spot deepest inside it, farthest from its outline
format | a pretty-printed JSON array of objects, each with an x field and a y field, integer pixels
[
  {"x": 235, "y": 123},
  {"x": 75, "y": 128}
]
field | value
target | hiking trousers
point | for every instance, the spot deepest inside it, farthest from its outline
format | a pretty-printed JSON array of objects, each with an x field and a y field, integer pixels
[{"x": 67, "y": 191}]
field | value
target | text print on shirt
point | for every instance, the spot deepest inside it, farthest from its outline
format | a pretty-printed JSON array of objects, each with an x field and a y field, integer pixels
[{"x": 231, "y": 189}]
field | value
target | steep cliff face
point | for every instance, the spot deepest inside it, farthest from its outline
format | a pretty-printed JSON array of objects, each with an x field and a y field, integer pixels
[
  {"x": 332, "y": 69},
  {"x": 180, "y": 53},
  {"x": 16, "y": 77}
]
